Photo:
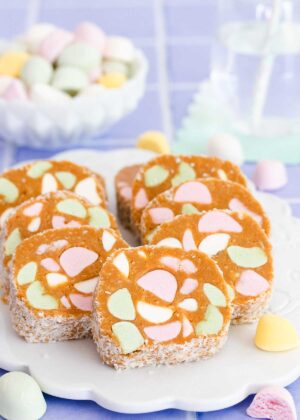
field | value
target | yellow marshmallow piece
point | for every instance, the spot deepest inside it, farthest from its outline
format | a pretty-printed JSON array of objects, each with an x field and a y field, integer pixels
[
  {"x": 11, "y": 63},
  {"x": 154, "y": 141},
  {"x": 274, "y": 333},
  {"x": 112, "y": 80}
]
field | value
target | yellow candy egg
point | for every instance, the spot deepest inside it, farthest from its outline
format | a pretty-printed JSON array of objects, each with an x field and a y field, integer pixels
[
  {"x": 154, "y": 141},
  {"x": 112, "y": 80},
  {"x": 274, "y": 333},
  {"x": 11, "y": 63}
]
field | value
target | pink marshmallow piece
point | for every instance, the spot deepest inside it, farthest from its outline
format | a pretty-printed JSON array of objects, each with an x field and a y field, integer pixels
[
  {"x": 270, "y": 175},
  {"x": 91, "y": 34},
  {"x": 55, "y": 43},
  {"x": 15, "y": 91},
  {"x": 274, "y": 403}
]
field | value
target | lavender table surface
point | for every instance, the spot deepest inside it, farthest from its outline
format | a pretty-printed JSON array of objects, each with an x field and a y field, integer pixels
[{"x": 176, "y": 36}]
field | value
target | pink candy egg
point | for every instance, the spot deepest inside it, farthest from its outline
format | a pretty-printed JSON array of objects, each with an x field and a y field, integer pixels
[
  {"x": 54, "y": 43},
  {"x": 91, "y": 34},
  {"x": 270, "y": 175}
]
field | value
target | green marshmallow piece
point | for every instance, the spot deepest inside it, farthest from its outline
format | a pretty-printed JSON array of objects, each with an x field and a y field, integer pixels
[
  {"x": 67, "y": 179},
  {"x": 27, "y": 273},
  {"x": 247, "y": 257},
  {"x": 185, "y": 173},
  {"x": 37, "y": 299},
  {"x": 121, "y": 306},
  {"x": 128, "y": 335},
  {"x": 72, "y": 207},
  {"x": 189, "y": 209},
  {"x": 36, "y": 70},
  {"x": 9, "y": 191},
  {"x": 230, "y": 291},
  {"x": 151, "y": 234},
  {"x": 38, "y": 169},
  {"x": 81, "y": 55},
  {"x": 155, "y": 176},
  {"x": 98, "y": 217},
  {"x": 214, "y": 295},
  {"x": 12, "y": 242},
  {"x": 213, "y": 322}
]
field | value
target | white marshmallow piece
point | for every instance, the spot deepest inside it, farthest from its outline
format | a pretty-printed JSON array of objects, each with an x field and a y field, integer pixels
[
  {"x": 226, "y": 147},
  {"x": 119, "y": 48}
]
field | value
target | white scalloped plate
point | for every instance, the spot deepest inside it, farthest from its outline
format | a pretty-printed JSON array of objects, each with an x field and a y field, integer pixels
[{"x": 73, "y": 370}]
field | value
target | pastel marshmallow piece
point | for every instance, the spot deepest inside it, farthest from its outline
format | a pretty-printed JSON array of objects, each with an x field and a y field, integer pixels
[
  {"x": 273, "y": 402},
  {"x": 33, "y": 210},
  {"x": 60, "y": 222},
  {"x": 34, "y": 225},
  {"x": 56, "y": 279},
  {"x": 160, "y": 215},
  {"x": 141, "y": 199},
  {"x": 36, "y": 34},
  {"x": 212, "y": 323},
  {"x": 170, "y": 242},
  {"x": 215, "y": 296},
  {"x": 270, "y": 175},
  {"x": 70, "y": 79},
  {"x": 237, "y": 205},
  {"x": 76, "y": 259},
  {"x": 187, "y": 328},
  {"x": 98, "y": 217},
  {"x": 128, "y": 336},
  {"x": 72, "y": 207},
  {"x": 9, "y": 192},
  {"x": 86, "y": 286},
  {"x": 159, "y": 282},
  {"x": 84, "y": 303},
  {"x": 13, "y": 240},
  {"x": 67, "y": 179},
  {"x": 213, "y": 244},
  {"x": 50, "y": 264},
  {"x": 251, "y": 283},
  {"x": 80, "y": 55},
  {"x": 188, "y": 208},
  {"x": 53, "y": 44},
  {"x": 21, "y": 397},
  {"x": 27, "y": 273},
  {"x": 108, "y": 241},
  {"x": 155, "y": 175},
  {"x": 185, "y": 173},
  {"x": 162, "y": 333},
  {"x": 121, "y": 306},
  {"x": 4, "y": 83},
  {"x": 65, "y": 302},
  {"x": 227, "y": 147},
  {"x": 38, "y": 169},
  {"x": 275, "y": 333},
  {"x": 38, "y": 299},
  {"x": 87, "y": 188},
  {"x": 122, "y": 264},
  {"x": 189, "y": 304},
  {"x": 49, "y": 184},
  {"x": 15, "y": 91},
  {"x": 252, "y": 257},
  {"x": 36, "y": 70},
  {"x": 116, "y": 66},
  {"x": 188, "y": 286},
  {"x": 91, "y": 34},
  {"x": 119, "y": 48},
  {"x": 188, "y": 241},
  {"x": 193, "y": 191},
  {"x": 215, "y": 221},
  {"x": 46, "y": 94},
  {"x": 154, "y": 314}
]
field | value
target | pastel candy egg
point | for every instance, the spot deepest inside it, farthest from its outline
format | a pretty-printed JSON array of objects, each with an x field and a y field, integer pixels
[
  {"x": 53, "y": 44},
  {"x": 70, "y": 79},
  {"x": 15, "y": 91},
  {"x": 274, "y": 333},
  {"x": 114, "y": 66},
  {"x": 80, "y": 55},
  {"x": 113, "y": 80},
  {"x": 11, "y": 63},
  {"x": 91, "y": 34},
  {"x": 226, "y": 147},
  {"x": 21, "y": 397},
  {"x": 47, "y": 94},
  {"x": 36, "y": 34},
  {"x": 119, "y": 48},
  {"x": 270, "y": 175},
  {"x": 273, "y": 402},
  {"x": 36, "y": 70},
  {"x": 154, "y": 141}
]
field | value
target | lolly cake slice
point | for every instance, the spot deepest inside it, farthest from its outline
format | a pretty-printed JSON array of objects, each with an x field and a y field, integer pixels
[
  {"x": 123, "y": 187},
  {"x": 166, "y": 171},
  {"x": 157, "y": 306},
  {"x": 199, "y": 195},
  {"x": 53, "y": 277},
  {"x": 51, "y": 211},
  {"x": 41, "y": 177},
  {"x": 240, "y": 248}
]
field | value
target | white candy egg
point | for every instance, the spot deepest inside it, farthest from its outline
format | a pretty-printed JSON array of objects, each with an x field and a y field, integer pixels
[
  {"x": 20, "y": 397},
  {"x": 226, "y": 147}
]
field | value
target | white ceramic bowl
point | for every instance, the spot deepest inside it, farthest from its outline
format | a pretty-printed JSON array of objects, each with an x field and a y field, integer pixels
[{"x": 81, "y": 120}]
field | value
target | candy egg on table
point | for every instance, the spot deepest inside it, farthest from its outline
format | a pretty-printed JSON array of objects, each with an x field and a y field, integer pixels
[
  {"x": 47, "y": 94},
  {"x": 226, "y": 146},
  {"x": 270, "y": 175},
  {"x": 154, "y": 141},
  {"x": 21, "y": 397},
  {"x": 36, "y": 70},
  {"x": 52, "y": 46},
  {"x": 12, "y": 62},
  {"x": 15, "y": 90},
  {"x": 36, "y": 34},
  {"x": 119, "y": 48},
  {"x": 70, "y": 79},
  {"x": 91, "y": 34},
  {"x": 80, "y": 55}
]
